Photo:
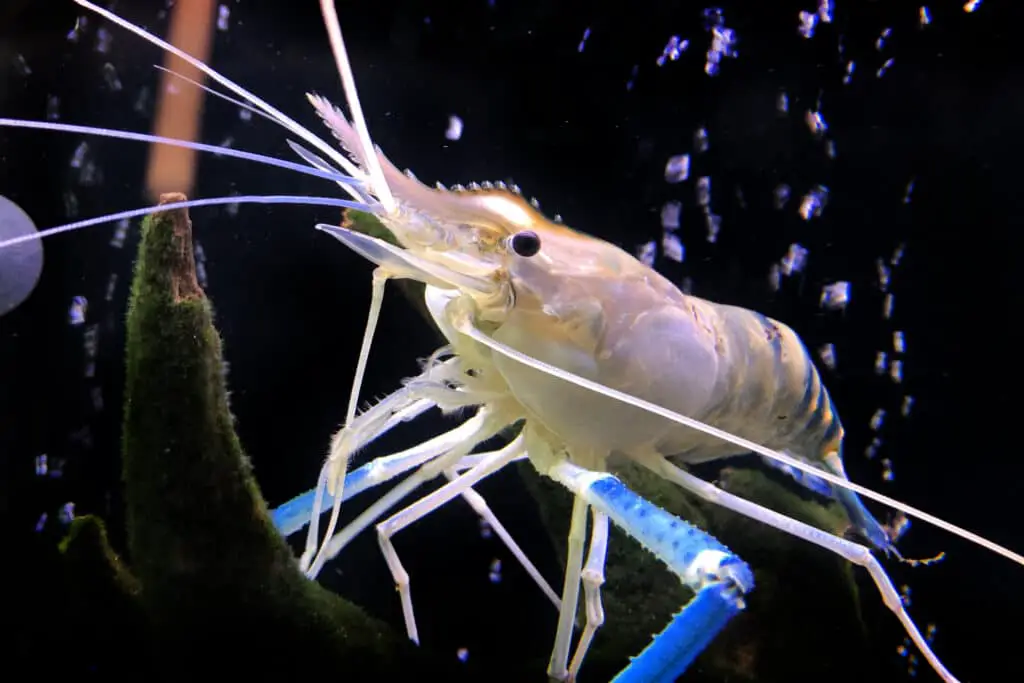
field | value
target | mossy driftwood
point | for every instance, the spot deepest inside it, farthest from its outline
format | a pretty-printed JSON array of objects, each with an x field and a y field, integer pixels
[{"x": 212, "y": 583}]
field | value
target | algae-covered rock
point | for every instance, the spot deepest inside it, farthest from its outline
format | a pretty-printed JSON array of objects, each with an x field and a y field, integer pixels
[
  {"x": 802, "y": 621},
  {"x": 212, "y": 585},
  {"x": 213, "y": 569}
]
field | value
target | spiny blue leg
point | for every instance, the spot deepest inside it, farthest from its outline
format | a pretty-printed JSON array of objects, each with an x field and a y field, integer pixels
[
  {"x": 291, "y": 516},
  {"x": 717, "y": 576},
  {"x": 690, "y": 631}
]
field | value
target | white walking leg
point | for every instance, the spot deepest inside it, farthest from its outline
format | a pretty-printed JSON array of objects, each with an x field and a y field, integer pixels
[
  {"x": 489, "y": 464},
  {"x": 402, "y": 405},
  {"x": 557, "y": 668},
  {"x": 292, "y": 516},
  {"x": 480, "y": 506},
  {"x": 849, "y": 550},
  {"x": 593, "y": 578},
  {"x": 333, "y": 545},
  {"x": 418, "y": 395}
]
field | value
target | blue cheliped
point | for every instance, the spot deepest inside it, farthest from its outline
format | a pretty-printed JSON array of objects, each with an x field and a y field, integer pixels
[
  {"x": 686, "y": 636},
  {"x": 680, "y": 545}
]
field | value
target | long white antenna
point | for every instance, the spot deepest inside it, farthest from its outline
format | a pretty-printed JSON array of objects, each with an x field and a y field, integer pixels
[
  {"x": 348, "y": 82},
  {"x": 290, "y": 124}
]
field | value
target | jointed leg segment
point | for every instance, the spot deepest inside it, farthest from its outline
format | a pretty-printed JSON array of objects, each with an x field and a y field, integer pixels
[
  {"x": 489, "y": 464},
  {"x": 592, "y": 578},
  {"x": 716, "y": 575}
]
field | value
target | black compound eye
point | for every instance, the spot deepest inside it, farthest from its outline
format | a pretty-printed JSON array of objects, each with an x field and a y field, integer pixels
[{"x": 526, "y": 243}]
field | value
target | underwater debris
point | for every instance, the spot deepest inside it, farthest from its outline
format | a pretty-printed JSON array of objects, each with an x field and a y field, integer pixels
[
  {"x": 781, "y": 196},
  {"x": 896, "y": 371},
  {"x": 583, "y": 40},
  {"x": 835, "y": 296},
  {"x": 494, "y": 573},
  {"x": 880, "y": 41},
  {"x": 794, "y": 260},
  {"x": 78, "y": 29},
  {"x": 103, "y": 40},
  {"x": 816, "y": 123},
  {"x": 827, "y": 353},
  {"x": 808, "y": 23},
  {"x": 111, "y": 78},
  {"x": 21, "y": 67},
  {"x": 881, "y": 362},
  {"x": 887, "y": 306},
  {"x": 647, "y": 252},
  {"x": 723, "y": 40},
  {"x": 703, "y": 191},
  {"x": 673, "y": 49},
  {"x": 814, "y": 202},
  {"x": 908, "y": 403},
  {"x": 77, "y": 310},
  {"x": 714, "y": 225},
  {"x": 670, "y": 215},
  {"x": 52, "y": 108},
  {"x": 700, "y": 140},
  {"x": 672, "y": 247},
  {"x": 67, "y": 513}
]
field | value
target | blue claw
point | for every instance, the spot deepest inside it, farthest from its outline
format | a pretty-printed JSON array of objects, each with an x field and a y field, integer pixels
[
  {"x": 687, "y": 635},
  {"x": 718, "y": 577}
]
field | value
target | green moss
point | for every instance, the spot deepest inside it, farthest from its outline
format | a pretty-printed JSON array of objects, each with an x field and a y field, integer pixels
[
  {"x": 87, "y": 548},
  {"x": 101, "y": 603},
  {"x": 214, "y": 573}
]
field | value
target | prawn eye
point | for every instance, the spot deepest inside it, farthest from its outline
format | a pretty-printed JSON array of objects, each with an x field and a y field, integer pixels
[{"x": 525, "y": 243}]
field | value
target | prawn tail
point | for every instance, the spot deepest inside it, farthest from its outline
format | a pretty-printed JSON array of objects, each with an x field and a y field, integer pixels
[{"x": 863, "y": 521}]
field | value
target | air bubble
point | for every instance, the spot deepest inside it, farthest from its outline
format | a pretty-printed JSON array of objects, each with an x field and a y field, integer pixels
[
  {"x": 672, "y": 247},
  {"x": 76, "y": 313},
  {"x": 835, "y": 296},
  {"x": 111, "y": 78},
  {"x": 677, "y": 169},
  {"x": 455, "y": 127}
]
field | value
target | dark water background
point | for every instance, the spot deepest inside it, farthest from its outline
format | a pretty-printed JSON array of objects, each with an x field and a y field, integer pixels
[{"x": 561, "y": 123}]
